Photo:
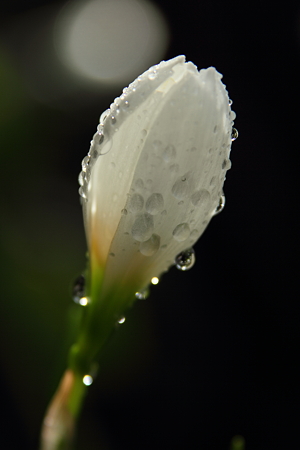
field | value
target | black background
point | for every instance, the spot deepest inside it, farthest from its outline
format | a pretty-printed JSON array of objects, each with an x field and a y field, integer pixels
[{"x": 214, "y": 351}]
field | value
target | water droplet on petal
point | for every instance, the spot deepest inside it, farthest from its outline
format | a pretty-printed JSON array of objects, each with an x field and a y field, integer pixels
[
  {"x": 124, "y": 212},
  {"x": 151, "y": 246},
  {"x": 139, "y": 184},
  {"x": 221, "y": 205},
  {"x": 122, "y": 320},
  {"x": 155, "y": 204},
  {"x": 169, "y": 153},
  {"x": 142, "y": 227},
  {"x": 181, "y": 188},
  {"x": 135, "y": 203},
  {"x": 200, "y": 198},
  {"x": 185, "y": 260},
  {"x": 154, "y": 280},
  {"x": 104, "y": 116},
  {"x": 226, "y": 165},
  {"x": 181, "y": 232},
  {"x": 234, "y": 134}
]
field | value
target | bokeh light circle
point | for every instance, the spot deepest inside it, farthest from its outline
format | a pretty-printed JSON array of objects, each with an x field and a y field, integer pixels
[{"x": 110, "y": 41}]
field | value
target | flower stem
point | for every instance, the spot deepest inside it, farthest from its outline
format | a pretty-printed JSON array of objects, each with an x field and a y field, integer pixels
[{"x": 60, "y": 419}]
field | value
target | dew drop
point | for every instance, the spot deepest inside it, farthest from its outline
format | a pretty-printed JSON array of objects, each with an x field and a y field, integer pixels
[
  {"x": 78, "y": 290},
  {"x": 143, "y": 294},
  {"x": 155, "y": 204},
  {"x": 139, "y": 184},
  {"x": 154, "y": 280},
  {"x": 124, "y": 212},
  {"x": 181, "y": 232},
  {"x": 169, "y": 153},
  {"x": 234, "y": 134},
  {"x": 232, "y": 115},
  {"x": 113, "y": 120},
  {"x": 83, "y": 301},
  {"x": 174, "y": 168},
  {"x": 226, "y": 165},
  {"x": 82, "y": 193},
  {"x": 194, "y": 234},
  {"x": 157, "y": 144},
  {"x": 151, "y": 246},
  {"x": 87, "y": 380},
  {"x": 122, "y": 320},
  {"x": 152, "y": 75},
  {"x": 181, "y": 188},
  {"x": 221, "y": 205},
  {"x": 142, "y": 227},
  {"x": 200, "y": 198},
  {"x": 230, "y": 102},
  {"x": 215, "y": 128},
  {"x": 144, "y": 133},
  {"x": 185, "y": 260},
  {"x": 85, "y": 163},
  {"x": 81, "y": 178},
  {"x": 104, "y": 116},
  {"x": 135, "y": 203}
]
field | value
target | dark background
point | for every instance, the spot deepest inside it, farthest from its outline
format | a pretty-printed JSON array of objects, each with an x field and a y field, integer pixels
[{"x": 213, "y": 352}]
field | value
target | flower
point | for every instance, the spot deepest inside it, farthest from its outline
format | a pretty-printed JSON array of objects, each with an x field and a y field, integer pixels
[{"x": 153, "y": 177}]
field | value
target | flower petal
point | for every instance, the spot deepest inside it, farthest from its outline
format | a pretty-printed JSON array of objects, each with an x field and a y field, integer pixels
[{"x": 155, "y": 171}]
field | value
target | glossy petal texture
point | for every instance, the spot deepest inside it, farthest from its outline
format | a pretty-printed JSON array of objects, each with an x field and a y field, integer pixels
[{"x": 155, "y": 171}]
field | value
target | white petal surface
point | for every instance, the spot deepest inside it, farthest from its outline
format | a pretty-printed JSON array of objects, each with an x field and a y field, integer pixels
[{"x": 155, "y": 171}]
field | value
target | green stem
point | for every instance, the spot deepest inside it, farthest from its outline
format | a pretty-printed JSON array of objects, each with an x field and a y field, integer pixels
[{"x": 60, "y": 420}]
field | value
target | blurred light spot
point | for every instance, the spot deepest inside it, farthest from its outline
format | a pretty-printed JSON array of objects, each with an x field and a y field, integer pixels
[
  {"x": 87, "y": 380},
  {"x": 122, "y": 320},
  {"x": 83, "y": 301},
  {"x": 110, "y": 41},
  {"x": 154, "y": 280}
]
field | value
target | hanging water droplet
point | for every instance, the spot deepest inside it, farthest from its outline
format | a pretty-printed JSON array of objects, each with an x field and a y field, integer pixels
[
  {"x": 87, "y": 380},
  {"x": 142, "y": 227},
  {"x": 185, "y": 260},
  {"x": 155, "y": 204},
  {"x": 230, "y": 102},
  {"x": 143, "y": 294},
  {"x": 83, "y": 301},
  {"x": 234, "y": 134},
  {"x": 154, "y": 280},
  {"x": 221, "y": 205},
  {"x": 122, "y": 320},
  {"x": 78, "y": 290},
  {"x": 181, "y": 232},
  {"x": 135, "y": 203},
  {"x": 151, "y": 246}
]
